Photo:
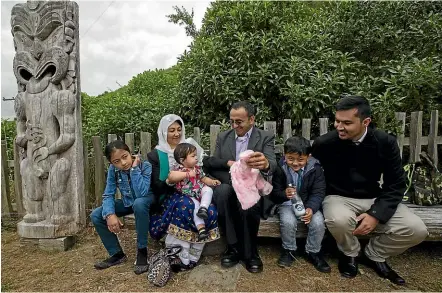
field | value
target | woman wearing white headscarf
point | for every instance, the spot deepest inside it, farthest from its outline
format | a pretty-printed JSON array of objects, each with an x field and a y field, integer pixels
[{"x": 174, "y": 214}]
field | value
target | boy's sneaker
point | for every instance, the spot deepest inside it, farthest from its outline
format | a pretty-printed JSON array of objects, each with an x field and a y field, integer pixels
[
  {"x": 318, "y": 262},
  {"x": 286, "y": 258},
  {"x": 202, "y": 213},
  {"x": 141, "y": 264},
  {"x": 114, "y": 260}
]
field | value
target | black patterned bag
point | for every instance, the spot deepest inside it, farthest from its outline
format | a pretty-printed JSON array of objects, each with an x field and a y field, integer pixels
[{"x": 159, "y": 271}]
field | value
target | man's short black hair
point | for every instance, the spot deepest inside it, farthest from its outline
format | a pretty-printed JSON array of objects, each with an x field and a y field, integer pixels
[
  {"x": 297, "y": 145},
  {"x": 246, "y": 105},
  {"x": 348, "y": 102}
]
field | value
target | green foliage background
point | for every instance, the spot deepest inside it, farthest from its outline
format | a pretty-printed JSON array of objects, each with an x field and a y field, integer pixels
[{"x": 292, "y": 59}]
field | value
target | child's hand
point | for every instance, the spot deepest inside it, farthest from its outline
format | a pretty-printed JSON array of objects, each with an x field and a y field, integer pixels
[
  {"x": 290, "y": 192},
  {"x": 137, "y": 161},
  {"x": 308, "y": 216},
  {"x": 215, "y": 182}
]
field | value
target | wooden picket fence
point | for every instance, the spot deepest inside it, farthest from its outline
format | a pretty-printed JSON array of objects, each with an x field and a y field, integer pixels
[{"x": 96, "y": 165}]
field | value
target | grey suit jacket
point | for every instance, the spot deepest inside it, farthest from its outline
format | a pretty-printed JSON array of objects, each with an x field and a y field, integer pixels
[{"x": 260, "y": 141}]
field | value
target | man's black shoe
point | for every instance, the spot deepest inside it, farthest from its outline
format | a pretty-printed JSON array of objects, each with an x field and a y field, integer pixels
[
  {"x": 230, "y": 257},
  {"x": 383, "y": 270},
  {"x": 114, "y": 260},
  {"x": 286, "y": 258},
  {"x": 348, "y": 266},
  {"x": 318, "y": 262},
  {"x": 254, "y": 264}
]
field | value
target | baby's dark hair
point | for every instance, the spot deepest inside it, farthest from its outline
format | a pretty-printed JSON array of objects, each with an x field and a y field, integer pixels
[
  {"x": 115, "y": 145},
  {"x": 297, "y": 145},
  {"x": 182, "y": 150}
]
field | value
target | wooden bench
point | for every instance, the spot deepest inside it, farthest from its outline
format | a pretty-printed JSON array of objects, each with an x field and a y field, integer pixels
[{"x": 430, "y": 215}]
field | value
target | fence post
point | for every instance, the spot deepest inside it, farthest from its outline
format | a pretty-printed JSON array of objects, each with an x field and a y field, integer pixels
[
  {"x": 270, "y": 126},
  {"x": 111, "y": 137},
  {"x": 323, "y": 126},
  {"x": 432, "y": 136},
  {"x": 214, "y": 131},
  {"x": 197, "y": 135},
  {"x": 6, "y": 196},
  {"x": 400, "y": 116},
  {"x": 87, "y": 179},
  {"x": 287, "y": 130},
  {"x": 306, "y": 126},
  {"x": 145, "y": 144},
  {"x": 99, "y": 169},
  {"x": 129, "y": 139},
  {"x": 415, "y": 136},
  {"x": 18, "y": 182}
]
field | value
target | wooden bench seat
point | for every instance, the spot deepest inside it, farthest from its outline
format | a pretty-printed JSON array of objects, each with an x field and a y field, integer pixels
[{"x": 430, "y": 215}]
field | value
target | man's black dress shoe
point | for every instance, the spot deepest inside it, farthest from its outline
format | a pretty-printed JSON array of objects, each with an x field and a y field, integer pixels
[
  {"x": 348, "y": 267},
  {"x": 318, "y": 262},
  {"x": 254, "y": 264},
  {"x": 383, "y": 270},
  {"x": 230, "y": 257}
]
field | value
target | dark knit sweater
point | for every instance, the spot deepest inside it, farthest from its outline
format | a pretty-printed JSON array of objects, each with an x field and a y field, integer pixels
[{"x": 355, "y": 170}]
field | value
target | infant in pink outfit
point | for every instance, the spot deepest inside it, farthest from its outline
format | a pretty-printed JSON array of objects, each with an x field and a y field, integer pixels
[{"x": 248, "y": 183}]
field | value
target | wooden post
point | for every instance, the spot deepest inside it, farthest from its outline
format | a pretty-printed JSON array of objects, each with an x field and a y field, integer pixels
[
  {"x": 270, "y": 126},
  {"x": 432, "y": 137},
  {"x": 306, "y": 126},
  {"x": 129, "y": 139},
  {"x": 214, "y": 131},
  {"x": 6, "y": 196},
  {"x": 323, "y": 126},
  {"x": 287, "y": 130},
  {"x": 87, "y": 175},
  {"x": 18, "y": 182},
  {"x": 111, "y": 137},
  {"x": 145, "y": 144},
  {"x": 99, "y": 170},
  {"x": 400, "y": 116},
  {"x": 415, "y": 136},
  {"x": 197, "y": 135}
]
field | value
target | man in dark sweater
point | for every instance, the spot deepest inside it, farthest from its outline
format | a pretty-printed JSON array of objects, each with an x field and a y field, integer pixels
[{"x": 354, "y": 156}]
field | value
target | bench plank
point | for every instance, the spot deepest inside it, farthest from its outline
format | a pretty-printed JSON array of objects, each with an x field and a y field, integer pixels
[{"x": 430, "y": 215}]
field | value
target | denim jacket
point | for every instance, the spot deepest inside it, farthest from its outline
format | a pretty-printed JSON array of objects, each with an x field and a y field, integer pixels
[{"x": 132, "y": 185}]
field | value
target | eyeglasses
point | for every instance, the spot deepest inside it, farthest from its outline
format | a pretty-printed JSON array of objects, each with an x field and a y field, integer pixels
[{"x": 237, "y": 122}]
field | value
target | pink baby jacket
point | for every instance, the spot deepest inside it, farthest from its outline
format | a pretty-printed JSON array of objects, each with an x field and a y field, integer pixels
[{"x": 248, "y": 183}]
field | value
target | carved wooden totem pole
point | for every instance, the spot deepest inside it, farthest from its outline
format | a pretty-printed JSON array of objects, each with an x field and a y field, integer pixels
[{"x": 47, "y": 106}]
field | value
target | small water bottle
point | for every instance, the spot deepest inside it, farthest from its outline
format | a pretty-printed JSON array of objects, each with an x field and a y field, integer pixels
[{"x": 297, "y": 205}]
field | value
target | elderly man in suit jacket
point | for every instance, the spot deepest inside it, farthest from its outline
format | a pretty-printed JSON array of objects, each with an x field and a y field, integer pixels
[{"x": 240, "y": 226}]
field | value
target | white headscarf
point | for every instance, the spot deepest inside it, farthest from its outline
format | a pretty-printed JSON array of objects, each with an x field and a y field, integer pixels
[{"x": 164, "y": 146}]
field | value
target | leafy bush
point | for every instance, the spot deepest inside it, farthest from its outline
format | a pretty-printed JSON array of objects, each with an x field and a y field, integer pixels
[
  {"x": 294, "y": 59},
  {"x": 136, "y": 107},
  {"x": 9, "y": 132}
]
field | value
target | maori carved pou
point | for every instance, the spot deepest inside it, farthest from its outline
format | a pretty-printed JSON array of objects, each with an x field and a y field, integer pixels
[{"x": 48, "y": 115}]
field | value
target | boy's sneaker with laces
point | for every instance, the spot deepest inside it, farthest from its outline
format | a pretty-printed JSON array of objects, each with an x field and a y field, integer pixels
[
  {"x": 141, "y": 264},
  {"x": 114, "y": 260},
  {"x": 203, "y": 213},
  {"x": 286, "y": 258}
]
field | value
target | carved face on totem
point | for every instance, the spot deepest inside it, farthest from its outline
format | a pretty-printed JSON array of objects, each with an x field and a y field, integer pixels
[{"x": 43, "y": 38}]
